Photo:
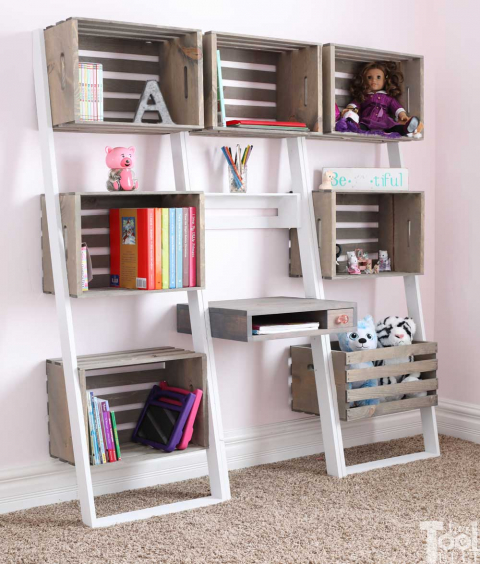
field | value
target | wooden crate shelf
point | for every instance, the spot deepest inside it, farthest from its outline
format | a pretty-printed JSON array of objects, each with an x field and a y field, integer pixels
[
  {"x": 395, "y": 220},
  {"x": 85, "y": 220},
  {"x": 293, "y": 75},
  {"x": 340, "y": 63},
  {"x": 233, "y": 319},
  {"x": 173, "y": 56},
  {"x": 180, "y": 368},
  {"x": 304, "y": 391}
]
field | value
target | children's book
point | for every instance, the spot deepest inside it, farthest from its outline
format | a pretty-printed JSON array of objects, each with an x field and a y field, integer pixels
[
  {"x": 272, "y": 329},
  {"x": 172, "y": 248},
  {"x": 192, "y": 246},
  {"x": 185, "y": 257},
  {"x": 94, "y": 453},
  {"x": 251, "y": 122},
  {"x": 272, "y": 127},
  {"x": 107, "y": 425},
  {"x": 115, "y": 435},
  {"x": 158, "y": 249},
  {"x": 220, "y": 97},
  {"x": 179, "y": 248},
  {"x": 132, "y": 248},
  {"x": 98, "y": 430},
  {"x": 165, "y": 250}
]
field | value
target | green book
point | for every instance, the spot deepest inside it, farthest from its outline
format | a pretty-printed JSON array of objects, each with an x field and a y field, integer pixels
[{"x": 115, "y": 435}]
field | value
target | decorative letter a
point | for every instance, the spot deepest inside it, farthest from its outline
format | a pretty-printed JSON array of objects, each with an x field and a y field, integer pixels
[{"x": 152, "y": 90}]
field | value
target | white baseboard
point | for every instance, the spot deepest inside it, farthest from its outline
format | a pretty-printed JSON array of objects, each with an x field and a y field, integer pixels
[{"x": 53, "y": 482}]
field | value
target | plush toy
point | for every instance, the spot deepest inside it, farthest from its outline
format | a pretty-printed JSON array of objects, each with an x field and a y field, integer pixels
[
  {"x": 327, "y": 178},
  {"x": 120, "y": 162},
  {"x": 352, "y": 263},
  {"x": 363, "y": 338},
  {"x": 375, "y": 90},
  {"x": 396, "y": 331},
  {"x": 384, "y": 263}
]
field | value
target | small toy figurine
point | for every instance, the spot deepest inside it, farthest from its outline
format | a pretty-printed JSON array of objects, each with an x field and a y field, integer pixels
[
  {"x": 122, "y": 176},
  {"x": 376, "y": 269},
  {"x": 362, "y": 260},
  {"x": 352, "y": 263},
  {"x": 338, "y": 252},
  {"x": 375, "y": 91},
  {"x": 368, "y": 267},
  {"x": 384, "y": 261},
  {"x": 326, "y": 180}
]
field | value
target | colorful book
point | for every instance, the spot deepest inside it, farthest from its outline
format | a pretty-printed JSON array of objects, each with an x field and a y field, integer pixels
[
  {"x": 90, "y": 77},
  {"x": 192, "y": 247},
  {"x": 171, "y": 246},
  {"x": 104, "y": 431},
  {"x": 265, "y": 122},
  {"x": 165, "y": 245},
  {"x": 185, "y": 257},
  {"x": 132, "y": 248},
  {"x": 178, "y": 247},
  {"x": 94, "y": 454},
  {"x": 115, "y": 435},
  {"x": 107, "y": 425},
  {"x": 221, "y": 99},
  {"x": 272, "y": 127},
  {"x": 98, "y": 429},
  {"x": 158, "y": 249}
]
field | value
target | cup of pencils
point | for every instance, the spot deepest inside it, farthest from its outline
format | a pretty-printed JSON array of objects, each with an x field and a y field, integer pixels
[{"x": 237, "y": 167}]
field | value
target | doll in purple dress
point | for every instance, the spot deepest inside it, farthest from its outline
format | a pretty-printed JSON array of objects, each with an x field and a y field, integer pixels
[{"x": 375, "y": 92}]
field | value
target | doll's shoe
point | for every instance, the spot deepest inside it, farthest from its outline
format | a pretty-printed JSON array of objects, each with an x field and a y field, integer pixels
[{"x": 412, "y": 124}]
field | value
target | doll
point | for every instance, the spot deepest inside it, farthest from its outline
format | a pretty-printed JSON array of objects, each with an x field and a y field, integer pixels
[
  {"x": 375, "y": 91},
  {"x": 327, "y": 178},
  {"x": 352, "y": 263},
  {"x": 384, "y": 261}
]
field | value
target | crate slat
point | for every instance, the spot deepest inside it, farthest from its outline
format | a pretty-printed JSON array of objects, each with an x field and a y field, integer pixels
[
  {"x": 254, "y": 112},
  {"x": 128, "y": 416},
  {"x": 392, "y": 389},
  {"x": 249, "y": 75},
  {"x": 125, "y": 398},
  {"x": 253, "y": 94},
  {"x": 355, "y": 413},
  {"x": 95, "y": 221},
  {"x": 248, "y": 56},
  {"x": 391, "y": 370},
  {"x": 392, "y": 352},
  {"x": 123, "y": 65},
  {"x": 124, "y": 379},
  {"x": 357, "y": 233},
  {"x": 117, "y": 45},
  {"x": 357, "y": 216}
]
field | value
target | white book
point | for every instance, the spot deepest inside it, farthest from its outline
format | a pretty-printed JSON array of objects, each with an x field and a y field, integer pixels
[{"x": 286, "y": 328}]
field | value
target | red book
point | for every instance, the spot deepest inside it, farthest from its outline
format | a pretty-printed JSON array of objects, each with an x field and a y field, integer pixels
[
  {"x": 110, "y": 441},
  {"x": 132, "y": 248},
  {"x": 192, "y": 244},
  {"x": 262, "y": 122}
]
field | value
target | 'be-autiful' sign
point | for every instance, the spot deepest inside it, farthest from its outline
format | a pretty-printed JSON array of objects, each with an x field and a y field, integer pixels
[{"x": 367, "y": 178}]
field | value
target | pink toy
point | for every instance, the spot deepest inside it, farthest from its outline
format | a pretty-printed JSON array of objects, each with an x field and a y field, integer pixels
[{"x": 122, "y": 176}]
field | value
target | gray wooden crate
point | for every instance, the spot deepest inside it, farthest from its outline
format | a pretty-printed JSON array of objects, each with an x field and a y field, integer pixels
[
  {"x": 233, "y": 319},
  {"x": 180, "y": 368},
  {"x": 304, "y": 390},
  {"x": 401, "y": 231},
  {"x": 297, "y": 77},
  {"x": 78, "y": 226},
  {"x": 341, "y": 62},
  {"x": 178, "y": 64}
]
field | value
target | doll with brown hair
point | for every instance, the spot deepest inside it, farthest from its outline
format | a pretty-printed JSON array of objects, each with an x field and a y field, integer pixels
[{"x": 375, "y": 92}]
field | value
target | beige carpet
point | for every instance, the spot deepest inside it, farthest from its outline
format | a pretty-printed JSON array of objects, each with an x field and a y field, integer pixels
[{"x": 287, "y": 512}]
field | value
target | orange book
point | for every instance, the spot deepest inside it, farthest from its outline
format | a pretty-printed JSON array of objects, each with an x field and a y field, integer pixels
[
  {"x": 158, "y": 248},
  {"x": 132, "y": 248}
]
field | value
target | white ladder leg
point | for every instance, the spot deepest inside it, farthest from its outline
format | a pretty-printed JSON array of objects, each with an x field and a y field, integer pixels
[
  {"x": 62, "y": 298},
  {"x": 313, "y": 284},
  {"x": 414, "y": 305},
  {"x": 202, "y": 342}
]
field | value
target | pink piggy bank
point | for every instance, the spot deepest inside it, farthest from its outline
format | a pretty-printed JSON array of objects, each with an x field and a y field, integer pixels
[{"x": 120, "y": 163}]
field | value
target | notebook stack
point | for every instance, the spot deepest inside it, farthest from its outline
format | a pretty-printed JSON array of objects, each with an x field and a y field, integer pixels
[{"x": 272, "y": 125}]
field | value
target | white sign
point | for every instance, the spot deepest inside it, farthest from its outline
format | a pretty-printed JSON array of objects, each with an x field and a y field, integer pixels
[{"x": 366, "y": 178}]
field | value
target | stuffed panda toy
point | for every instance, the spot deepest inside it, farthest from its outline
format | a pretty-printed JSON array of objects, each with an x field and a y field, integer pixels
[
  {"x": 396, "y": 331},
  {"x": 363, "y": 338}
]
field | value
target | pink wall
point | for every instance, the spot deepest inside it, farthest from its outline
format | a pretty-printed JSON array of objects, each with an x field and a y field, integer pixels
[
  {"x": 458, "y": 200},
  {"x": 252, "y": 378}
]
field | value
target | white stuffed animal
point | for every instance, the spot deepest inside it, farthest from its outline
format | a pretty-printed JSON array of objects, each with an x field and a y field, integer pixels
[
  {"x": 327, "y": 178},
  {"x": 396, "y": 331}
]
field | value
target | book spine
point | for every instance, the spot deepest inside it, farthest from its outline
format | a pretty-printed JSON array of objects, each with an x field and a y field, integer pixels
[
  {"x": 146, "y": 249},
  {"x": 220, "y": 89},
  {"x": 165, "y": 255},
  {"x": 179, "y": 248},
  {"x": 158, "y": 249},
  {"x": 98, "y": 429},
  {"x": 192, "y": 243},
  {"x": 171, "y": 246},
  {"x": 104, "y": 431},
  {"x": 94, "y": 459},
  {"x": 108, "y": 431},
  {"x": 185, "y": 258},
  {"x": 100, "y": 92},
  {"x": 115, "y": 247},
  {"x": 115, "y": 436}
]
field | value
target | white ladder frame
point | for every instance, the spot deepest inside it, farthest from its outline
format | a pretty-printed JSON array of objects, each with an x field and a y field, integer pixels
[
  {"x": 200, "y": 321},
  {"x": 321, "y": 351}
]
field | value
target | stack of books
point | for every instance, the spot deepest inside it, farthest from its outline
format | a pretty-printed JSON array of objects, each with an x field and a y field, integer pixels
[
  {"x": 102, "y": 430},
  {"x": 273, "y": 329},
  {"x": 91, "y": 91},
  {"x": 273, "y": 125},
  {"x": 153, "y": 248}
]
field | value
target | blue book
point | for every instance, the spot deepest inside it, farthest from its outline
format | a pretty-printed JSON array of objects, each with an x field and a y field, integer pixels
[
  {"x": 179, "y": 248},
  {"x": 172, "y": 249},
  {"x": 95, "y": 457}
]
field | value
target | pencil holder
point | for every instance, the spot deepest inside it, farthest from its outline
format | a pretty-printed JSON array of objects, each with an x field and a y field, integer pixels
[{"x": 233, "y": 183}]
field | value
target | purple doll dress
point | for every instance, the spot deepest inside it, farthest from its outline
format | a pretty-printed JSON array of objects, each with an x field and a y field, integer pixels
[{"x": 377, "y": 114}]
